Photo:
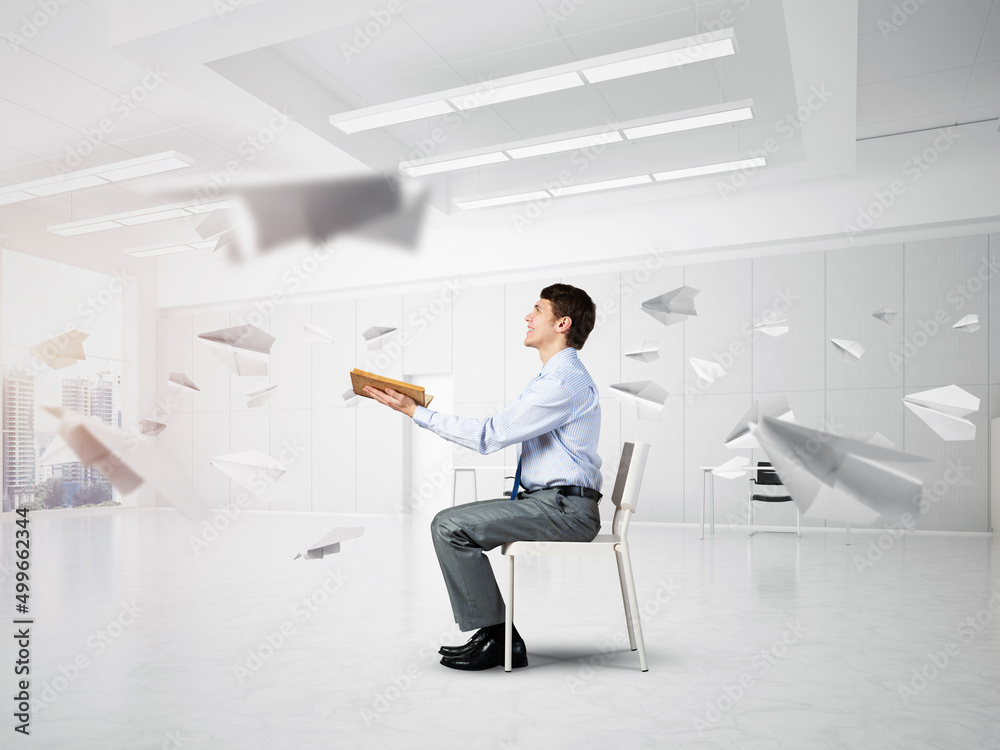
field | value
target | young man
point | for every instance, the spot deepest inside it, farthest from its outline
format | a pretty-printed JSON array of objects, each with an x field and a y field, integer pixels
[{"x": 555, "y": 422}]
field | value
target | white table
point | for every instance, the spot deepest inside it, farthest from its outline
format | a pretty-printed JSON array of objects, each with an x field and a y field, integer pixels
[{"x": 707, "y": 475}]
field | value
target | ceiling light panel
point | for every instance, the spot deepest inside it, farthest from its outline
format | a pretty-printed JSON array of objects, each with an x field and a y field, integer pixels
[
  {"x": 641, "y": 179},
  {"x": 503, "y": 200},
  {"x": 489, "y": 95},
  {"x": 419, "y": 169},
  {"x": 729, "y": 166},
  {"x": 349, "y": 124},
  {"x": 566, "y": 144},
  {"x": 647, "y": 59},
  {"x": 689, "y": 123}
]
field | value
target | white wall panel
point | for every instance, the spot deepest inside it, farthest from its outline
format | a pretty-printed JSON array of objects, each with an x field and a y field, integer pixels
[
  {"x": 210, "y": 438},
  {"x": 521, "y": 364},
  {"x": 480, "y": 346},
  {"x": 601, "y": 354},
  {"x": 944, "y": 282},
  {"x": 795, "y": 361},
  {"x": 332, "y": 363},
  {"x": 174, "y": 344},
  {"x": 291, "y": 358},
  {"x": 489, "y": 481},
  {"x": 427, "y": 326},
  {"x": 291, "y": 443},
  {"x": 383, "y": 460},
  {"x": 994, "y": 340},
  {"x": 722, "y": 331},
  {"x": 859, "y": 281},
  {"x": 334, "y": 460},
  {"x": 176, "y": 442},
  {"x": 209, "y": 373},
  {"x": 661, "y": 497},
  {"x": 249, "y": 429}
]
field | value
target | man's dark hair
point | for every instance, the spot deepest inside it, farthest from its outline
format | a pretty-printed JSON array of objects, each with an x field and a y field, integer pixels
[{"x": 570, "y": 302}]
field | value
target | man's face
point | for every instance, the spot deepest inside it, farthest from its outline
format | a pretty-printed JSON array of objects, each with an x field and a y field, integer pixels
[{"x": 543, "y": 326}]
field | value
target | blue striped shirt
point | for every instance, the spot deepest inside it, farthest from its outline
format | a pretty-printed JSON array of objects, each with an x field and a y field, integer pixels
[{"x": 556, "y": 421}]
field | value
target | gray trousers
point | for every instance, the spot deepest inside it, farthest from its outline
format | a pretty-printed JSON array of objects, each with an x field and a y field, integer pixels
[{"x": 461, "y": 535}]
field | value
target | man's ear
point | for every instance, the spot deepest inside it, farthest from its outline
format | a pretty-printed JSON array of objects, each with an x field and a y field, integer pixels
[{"x": 564, "y": 324}]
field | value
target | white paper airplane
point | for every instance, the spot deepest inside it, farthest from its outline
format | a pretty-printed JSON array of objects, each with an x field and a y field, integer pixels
[
  {"x": 253, "y": 471},
  {"x": 376, "y": 336},
  {"x": 149, "y": 427},
  {"x": 673, "y": 307},
  {"x": 329, "y": 543},
  {"x": 841, "y": 479},
  {"x": 645, "y": 397},
  {"x": 742, "y": 437},
  {"x": 62, "y": 351},
  {"x": 851, "y": 351},
  {"x": 316, "y": 334},
  {"x": 706, "y": 370},
  {"x": 259, "y": 396},
  {"x": 126, "y": 461},
  {"x": 968, "y": 324},
  {"x": 772, "y": 325},
  {"x": 942, "y": 410},
  {"x": 885, "y": 315},
  {"x": 58, "y": 452},
  {"x": 350, "y": 397},
  {"x": 178, "y": 381},
  {"x": 243, "y": 349},
  {"x": 648, "y": 352},
  {"x": 733, "y": 468}
]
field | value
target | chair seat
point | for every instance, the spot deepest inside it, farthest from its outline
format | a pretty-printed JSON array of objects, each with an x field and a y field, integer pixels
[
  {"x": 599, "y": 546},
  {"x": 771, "y": 498}
]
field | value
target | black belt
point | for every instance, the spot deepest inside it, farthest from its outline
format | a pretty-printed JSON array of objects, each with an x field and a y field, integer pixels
[{"x": 573, "y": 490}]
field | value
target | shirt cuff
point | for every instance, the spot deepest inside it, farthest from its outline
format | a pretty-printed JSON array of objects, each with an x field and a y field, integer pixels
[{"x": 422, "y": 416}]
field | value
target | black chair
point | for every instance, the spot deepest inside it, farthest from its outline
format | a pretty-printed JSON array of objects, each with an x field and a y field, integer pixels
[{"x": 767, "y": 476}]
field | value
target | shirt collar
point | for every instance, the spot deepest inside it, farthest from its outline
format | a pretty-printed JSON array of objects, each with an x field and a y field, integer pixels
[{"x": 563, "y": 355}]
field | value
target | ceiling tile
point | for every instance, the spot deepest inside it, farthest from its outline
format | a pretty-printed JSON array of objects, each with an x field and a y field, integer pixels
[
  {"x": 474, "y": 128},
  {"x": 762, "y": 78},
  {"x": 37, "y": 134},
  {"x": 178, "y": 106},
  {"x": 989, "y": 48},
  {"x": 37, "y": 79},
  {"x": 918, "y": 48},
  {"x": 512, "y": 62},
  {"x": 578, "y": 17},
  {"x": 906, "y": 125},
  {"x": 10, "y": 157},
  {"x": 556, "y": 113},
  {"x": 415, "y": 83},
  {"x": 662, "y": 92},
  {"x": 978, "y": 114},
  {"x": 984, "y": 86},
  {"x": 915, "y": 96},
  {"x": 881, "y": 15},
  {"x": 632, "y": 34}
]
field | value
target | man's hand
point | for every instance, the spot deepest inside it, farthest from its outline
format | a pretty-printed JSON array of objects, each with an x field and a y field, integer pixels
[{"x": 398, "y": 401}]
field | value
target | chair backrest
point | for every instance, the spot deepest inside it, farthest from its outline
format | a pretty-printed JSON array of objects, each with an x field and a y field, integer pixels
[
  {"x": 625, "y": 495},
  {"x": 766, "y": 476}
]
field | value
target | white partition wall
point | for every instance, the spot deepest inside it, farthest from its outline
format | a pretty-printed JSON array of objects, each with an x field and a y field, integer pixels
[{"x": 349, "y": 459}]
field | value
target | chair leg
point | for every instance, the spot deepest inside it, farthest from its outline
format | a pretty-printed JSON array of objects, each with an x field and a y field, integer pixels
[
  {"x": 749, "y": 516},
  {"x": 509, "y": 623},
  {"x": 798, "y": 523},
  {"x": 628, "y": 612},
  {"x": 634, "y": 607}
]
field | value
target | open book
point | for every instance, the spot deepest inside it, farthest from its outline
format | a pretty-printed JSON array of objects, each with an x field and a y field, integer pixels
[{"x": 360, "y": 378}]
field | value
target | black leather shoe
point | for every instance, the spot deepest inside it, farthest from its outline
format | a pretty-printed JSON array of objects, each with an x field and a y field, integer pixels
[
  {"x": 474, "y": 641},
  {"x": 488, "y": 653}
]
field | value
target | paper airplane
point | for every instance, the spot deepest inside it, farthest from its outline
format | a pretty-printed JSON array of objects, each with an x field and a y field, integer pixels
[
  {"x": 316, "y": 334},
  {"x": 673, "y": 307},
  {"x": 706, "y": 370},
  {"x": 645, "y": 397},
  {"x": 841, "y": 479},
  {"x": 885, "y": 315},
  {"x": 58, "y": 452},
  {"x": 350, "y": 397},
  {"x": 733, "y": 468},
  {"x": 968, "y": 324},
  {"x": 178, "y": 381},
  {"x": 330, "y": 542},
  {"x": 149, "y": 427},
  {"x": 772, "y": 325},
  {"x": 942, "y": 410},
  {"x": 252, "y": 470},
  {"x": 243, "y": 349},
  {"x": 851, "y": 351},
  {"x": 127, "y": 462},
  {"x": 376, "y": 336},
  {"x": 62, "y": 351},
  {"x": 258, "y": 396},
  {"x": 874, "y": 438},
  {"x": 216, "y": 223},
  {"x": 648, "y": 352},
  {"x": 742, "y": 436}
]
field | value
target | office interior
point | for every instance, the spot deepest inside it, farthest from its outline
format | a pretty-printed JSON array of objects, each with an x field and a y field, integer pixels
[{"x": 819, "y": 183}]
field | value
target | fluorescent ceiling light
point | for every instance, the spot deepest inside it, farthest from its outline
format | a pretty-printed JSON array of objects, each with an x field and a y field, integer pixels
[
  {"x": 419, "y": 169},
  {"x": 566, "y": 144},
  {"x": 489, "y": 95},
  {"x": 145, "y": 252},
  {"x": 555, "y": 78},
  {"x": 692, "y": 49},
  {"x": 689, "y": 123},
  {"x": 502, "y": 200},
  {"x": 84, "y": 178},
  {"x": 640, "y": 179},
  {"x": 349, "y": 124},
  {"x": 130, "y": 218},
  {"x": 729, "y": 166}
]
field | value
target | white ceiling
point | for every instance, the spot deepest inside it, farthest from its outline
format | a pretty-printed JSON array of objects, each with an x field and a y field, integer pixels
[{"x": 220, "y": 76}]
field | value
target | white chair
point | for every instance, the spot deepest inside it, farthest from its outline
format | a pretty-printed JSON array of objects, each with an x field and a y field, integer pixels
[{"x": 625, "y": 497}]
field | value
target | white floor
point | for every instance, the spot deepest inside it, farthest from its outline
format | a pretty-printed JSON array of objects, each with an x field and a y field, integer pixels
[{"x": 771, "y": 643}]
